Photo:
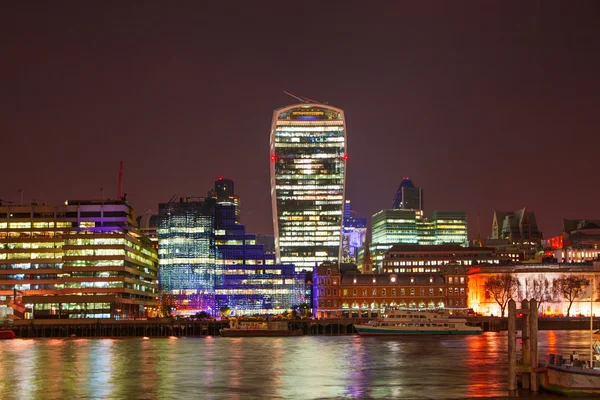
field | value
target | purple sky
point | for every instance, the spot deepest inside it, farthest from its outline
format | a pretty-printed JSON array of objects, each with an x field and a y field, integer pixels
[{"x": 485, "y": 105}]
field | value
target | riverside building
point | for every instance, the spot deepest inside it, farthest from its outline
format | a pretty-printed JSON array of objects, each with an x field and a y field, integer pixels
[
  {"x": 308, "y": 174},
  {"x": 187, "y": 253},
  {"x": 208, "y": 262},
  {"x": 83, "y": 259},
  {"x": 366, "y": 295}
]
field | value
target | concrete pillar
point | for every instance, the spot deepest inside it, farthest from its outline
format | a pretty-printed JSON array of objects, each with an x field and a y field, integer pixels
[{"x": 512, "y": 350}]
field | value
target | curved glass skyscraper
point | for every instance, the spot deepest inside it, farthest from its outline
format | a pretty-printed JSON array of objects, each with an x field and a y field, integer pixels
[{"x": 308, "y": 176}]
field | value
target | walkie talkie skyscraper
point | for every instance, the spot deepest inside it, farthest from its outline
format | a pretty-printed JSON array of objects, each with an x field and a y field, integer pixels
[{"x": 308, "y": 176}]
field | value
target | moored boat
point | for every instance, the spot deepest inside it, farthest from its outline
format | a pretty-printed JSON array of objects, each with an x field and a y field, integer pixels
[
  {"x": 571, "y": 378},
  {"x": 7, "y": 334},
  {"x": 258, "y": 328},
  {"x": 415, "y": 322}
]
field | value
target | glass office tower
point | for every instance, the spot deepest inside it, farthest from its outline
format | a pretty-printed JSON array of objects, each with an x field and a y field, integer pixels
[
  {"x": 308, "y": 168},
  {"x": 187, "y": 253}
]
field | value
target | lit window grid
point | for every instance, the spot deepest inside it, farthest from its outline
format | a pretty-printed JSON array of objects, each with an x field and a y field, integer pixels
[{"x": 299, "y": 173}]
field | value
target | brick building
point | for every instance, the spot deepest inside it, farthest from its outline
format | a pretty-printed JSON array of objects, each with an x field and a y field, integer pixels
[{"x": 365, "y": 295}]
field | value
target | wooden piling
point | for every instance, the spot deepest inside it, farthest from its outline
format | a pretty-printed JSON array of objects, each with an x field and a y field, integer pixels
[
  {"x": 525, "y": 350},
  {"x": 533, "y": 334},
  {"x": 512, "y": 345}
]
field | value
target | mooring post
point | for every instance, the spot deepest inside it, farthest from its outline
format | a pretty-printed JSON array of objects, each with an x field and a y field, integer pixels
[
  {"x": 526, "y": 337},
  {"x": 512, "y": 351},
  {"x": 533, "y": 329}
]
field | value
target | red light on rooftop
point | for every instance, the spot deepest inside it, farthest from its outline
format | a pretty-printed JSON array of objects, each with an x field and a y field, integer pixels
[
  {"x": 345, "y": 157},
  {"x": 273, "y": 157},
  {"x": 220, "y": 178}
]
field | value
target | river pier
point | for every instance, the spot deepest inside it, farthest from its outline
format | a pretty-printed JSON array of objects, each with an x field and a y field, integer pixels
[{"x": 165, "y": 327}]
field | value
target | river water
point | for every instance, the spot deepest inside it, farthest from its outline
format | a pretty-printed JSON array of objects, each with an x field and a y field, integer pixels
[{"x": 306, "y": 367}]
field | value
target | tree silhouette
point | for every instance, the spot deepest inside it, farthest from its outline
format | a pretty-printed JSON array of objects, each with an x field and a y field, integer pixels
[
  {"x": 501, "y": 289},
  {"x": 571, "y": 287}
]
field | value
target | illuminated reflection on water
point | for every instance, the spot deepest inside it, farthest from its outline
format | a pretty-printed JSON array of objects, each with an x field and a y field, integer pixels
[{"x": 308, "y": 367}]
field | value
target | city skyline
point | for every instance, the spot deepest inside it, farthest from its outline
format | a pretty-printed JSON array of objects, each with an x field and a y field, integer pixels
[{"x": 486, "y": 108}]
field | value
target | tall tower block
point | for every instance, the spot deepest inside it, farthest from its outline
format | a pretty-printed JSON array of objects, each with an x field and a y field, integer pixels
[{"x": 308, "y": 177}]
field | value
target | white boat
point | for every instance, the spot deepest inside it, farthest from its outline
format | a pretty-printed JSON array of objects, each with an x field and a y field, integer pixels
[
  {"x": 572, "y": 376},
  {"x": 415, "y": 322}
]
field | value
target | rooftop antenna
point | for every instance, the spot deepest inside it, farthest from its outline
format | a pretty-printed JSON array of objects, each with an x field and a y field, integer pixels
[
  {"x": 303, "y": 99},
  {"x": 478, "y": 232},
  {"x": 120, "y": 190}
]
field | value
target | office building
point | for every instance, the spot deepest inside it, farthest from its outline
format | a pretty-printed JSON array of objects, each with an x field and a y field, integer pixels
[
  {"x": 354, "y": 233},
  {"x": 579, "y": 242},
  {"x": 406, "y": 258},
  {"x": 224, "y": 192},
  {"x": 404, "y": 226},
  {"x": 209, "y": 262},
  {"x": 308, "y": 168},
  {"x": 521, "y": 230},
  {"x": 187, "y": 253},
  {"x": 449, "y": 227},
  {"x": 83, "y": 259},
  {"x": 408, "y": 197}
]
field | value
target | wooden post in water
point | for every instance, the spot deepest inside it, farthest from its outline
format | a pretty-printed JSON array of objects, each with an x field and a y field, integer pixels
[
  {"x": 526, "y": 338},
  {"x": 512, "y": 345},
  {"x": 533, "y": 344}
]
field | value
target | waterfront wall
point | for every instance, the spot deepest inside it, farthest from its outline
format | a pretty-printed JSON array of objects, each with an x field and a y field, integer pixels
[{"x": 50, "y": 328}]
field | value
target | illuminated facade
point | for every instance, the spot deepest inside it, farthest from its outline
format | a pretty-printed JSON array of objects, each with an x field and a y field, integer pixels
[
  {"x": 365, "y": 295},
  {"x": 406, "y": 258},
  {"x": 251, "y": 282},
  {"x": 85, "y": 259},
  {"x": 308, "y": 168},
  {"x": 407, "y": 226},
  {"x": 266, "y": 289},
  {"x": 579, "y": 242},
  {"x": 449, "y": 227},
  {"x": 530, "y": 275},
  {"x": 354, "y": 233},
  {"x": 208, "y": 261},
  {"x": 187, "y": 253}
]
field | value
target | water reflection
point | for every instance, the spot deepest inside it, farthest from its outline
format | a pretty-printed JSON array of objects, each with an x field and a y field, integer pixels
[{"x": 248, "y": 368}]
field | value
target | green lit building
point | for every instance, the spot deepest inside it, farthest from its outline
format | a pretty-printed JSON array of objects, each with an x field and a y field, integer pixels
[{"x": 406, "y": 226}]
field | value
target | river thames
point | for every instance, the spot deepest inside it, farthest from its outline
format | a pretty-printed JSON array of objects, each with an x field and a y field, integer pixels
[{"x": 307, "y": 367}]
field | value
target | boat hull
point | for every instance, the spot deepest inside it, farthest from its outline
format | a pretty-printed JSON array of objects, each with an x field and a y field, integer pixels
[
  {"x": 373, "y": 331},
  {"x": 7, "y": 335},
  {"x": 570, "y": 381},
  {"x": 227, "y": 332}
]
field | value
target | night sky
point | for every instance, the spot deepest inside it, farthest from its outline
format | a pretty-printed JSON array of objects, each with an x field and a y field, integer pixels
[{"x": 485, "y": 105}]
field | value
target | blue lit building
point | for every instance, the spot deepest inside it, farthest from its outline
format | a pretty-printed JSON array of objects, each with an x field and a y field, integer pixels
[
  {"x": 208, "y": 261},
  {"x": 408, "y": 196},
  {"x": 251, "y": 282},
  {"x": 187, "y": 253}
]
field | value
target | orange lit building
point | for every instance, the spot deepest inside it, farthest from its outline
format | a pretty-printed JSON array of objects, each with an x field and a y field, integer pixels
[{"x": 552, "y": 305}]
